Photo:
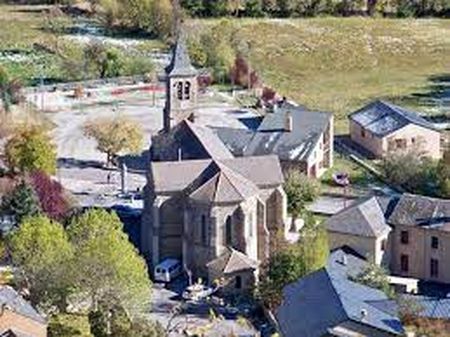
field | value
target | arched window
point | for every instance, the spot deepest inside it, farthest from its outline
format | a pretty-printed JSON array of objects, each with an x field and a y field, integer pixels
[
  {"x": 187, "y": 90},
  {"x": 204, "y": 231},
  {"x": 238, "y": 282},
  {"x": 180, "y": 90},
  {"x": 228, "y": 233}
]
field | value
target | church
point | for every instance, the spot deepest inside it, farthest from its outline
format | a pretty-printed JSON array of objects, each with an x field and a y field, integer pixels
[{"x": 217, "y": 213}]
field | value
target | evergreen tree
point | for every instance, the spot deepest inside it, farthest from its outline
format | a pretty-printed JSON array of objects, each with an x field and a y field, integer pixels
[{"x": 21, "y": 202}]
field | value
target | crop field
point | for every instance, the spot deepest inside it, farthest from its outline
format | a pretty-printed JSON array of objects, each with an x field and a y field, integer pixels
[{"x": 338, "y": 64}]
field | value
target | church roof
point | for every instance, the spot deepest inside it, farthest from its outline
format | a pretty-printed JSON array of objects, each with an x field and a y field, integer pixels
[
  {"x": 232, "y": 261},
  {"x": 217, "y": 180},
  {"x": 180, "y": 64},
  {"x": 226, "y": 185}
]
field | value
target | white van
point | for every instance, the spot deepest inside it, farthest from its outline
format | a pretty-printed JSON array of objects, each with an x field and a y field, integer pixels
[{"x": 168, "y": 270}]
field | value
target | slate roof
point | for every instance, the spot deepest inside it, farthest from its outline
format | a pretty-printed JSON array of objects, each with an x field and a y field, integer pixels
[
  {"x": 217, "y": 180},
  {"x": 382, "y": 118},
  {"x": 321, "y": 300},
  {"x": 271, "y": 137},
  {"x": 366, "y": 218},
  {"x": 180, "y": 64},
  {"x": 16, "y": 303},
  {"x": 431, "y": 307},
  {"x": 418, "y": 210},
  {"x": 345, "y": 262},
  {"x": 232, "y": 261}
]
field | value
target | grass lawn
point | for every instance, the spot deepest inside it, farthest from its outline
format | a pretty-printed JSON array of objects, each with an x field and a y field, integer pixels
[{"x": 338, "y": 64}]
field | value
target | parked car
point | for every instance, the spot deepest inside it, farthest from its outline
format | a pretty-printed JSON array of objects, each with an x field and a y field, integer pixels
[
  {"x": 197, "y": 292},
  {"x": 168, "y": 270}
]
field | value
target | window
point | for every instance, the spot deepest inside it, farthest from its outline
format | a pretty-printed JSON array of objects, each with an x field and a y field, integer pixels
[
  {"x": 404, "y": 237},
  {"x": 363, "y": 133},
  {"x": 180, "y": 90},
  {"x": 413, "y": 140},
  {"x": 228, "y": 234},
  {"x": 383, "y": 245},
  {"x": 204, "y": 231},
  {"x": 434, "y": 242},
  {"x": 250, "y": 225},
  {"x": 434, "y": 268},
  {"x": 238, "y": 282},
  {"x": 400, "y": 143},
  {"x": 187, "y": 90},
  {"x": 404, "y": 263}
]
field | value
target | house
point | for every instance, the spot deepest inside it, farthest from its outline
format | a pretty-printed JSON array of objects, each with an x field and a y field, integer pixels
[
  {"x": 197, "y": 210},
  {"x": 410, "y": 234},
  {"x": 421, "y": 238},
  {"x": 363, "y": 227},
  {"x": 381, "y": 128},
  {"x": 302, "y": 139},
  {"x": 18, "y": 317},
  {"x": 326, "y": 303}
]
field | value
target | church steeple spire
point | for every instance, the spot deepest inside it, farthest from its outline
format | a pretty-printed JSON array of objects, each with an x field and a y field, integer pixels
[{"x": 181, "y": 88}]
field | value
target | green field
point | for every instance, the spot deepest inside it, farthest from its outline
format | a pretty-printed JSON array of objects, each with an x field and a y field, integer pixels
[{"x": 338, "y": 64}]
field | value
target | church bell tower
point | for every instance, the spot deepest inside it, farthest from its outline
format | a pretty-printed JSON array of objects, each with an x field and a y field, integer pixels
[{"x": 181, "y": 86}]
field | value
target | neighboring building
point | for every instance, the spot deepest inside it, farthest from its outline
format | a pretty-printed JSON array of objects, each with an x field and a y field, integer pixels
[
  {"x": 381, "y": 128},
  {"x": 363, "y": 227},
  {"x": 302, "y": 139},
  {"x": 413, "y": 230},
  {"x": 421, "y": 238},
  {"x": 196, "y": 210},
  {"x": 326, "y": 303},
  {"x": 18, "y": 317}
]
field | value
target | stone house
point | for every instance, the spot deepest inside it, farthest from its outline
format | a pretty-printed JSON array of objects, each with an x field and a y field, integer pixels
[
  {"x": 381, "y": 128},
  {"x": 302, "y": 139},
  {"x": 363, "y": 227},
  {"x": 410, "y": 234},
  {"x": 18, "y": 317},
  {"x": 421, "y": 238}
]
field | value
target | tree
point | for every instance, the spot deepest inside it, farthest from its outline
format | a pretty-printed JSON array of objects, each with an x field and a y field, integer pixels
[
  {"x": 104, "y": 61},
  {"x": 51, "y": 195},
  {"x": 292, "y": 262},
  {"x": 108, "y": 267},
  {"x": 10, "y": 90},
  {"x": 443, "y": 175},
  {"x": 21, "y": 202},
  {"x": 375, "y": 276},
  {"x": 42, "y": 255},
  {"x": 115, "y": 135},
  {"x": 300, "y": 191},
  {"x": 30, "y": 150}
]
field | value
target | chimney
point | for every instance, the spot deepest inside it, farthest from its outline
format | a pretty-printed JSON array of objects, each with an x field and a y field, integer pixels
[
  {"x": 123, "y": 178},
  {"x": 288, "y": 123},
  {"x": 180, "y": 154},
  {"x": 344, "y": 260},
  {"x": 363, "y": 314}
]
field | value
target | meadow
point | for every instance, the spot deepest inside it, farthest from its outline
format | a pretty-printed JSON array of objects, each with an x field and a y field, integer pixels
[{"x": 339, "y": 64}]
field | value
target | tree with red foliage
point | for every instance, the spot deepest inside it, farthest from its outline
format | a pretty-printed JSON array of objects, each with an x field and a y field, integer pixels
[
  {"x": 268, "y": 94},
  {"x": 50, "y": 194},
  {"x": 241, "y": 73}
]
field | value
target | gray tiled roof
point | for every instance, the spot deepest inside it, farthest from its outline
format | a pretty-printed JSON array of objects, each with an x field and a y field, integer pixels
[
  {"x": 180, "y": 64},
  {"x": 431, "y": 307},
  {"x": 232, "y": 261},
  {"x": 271, "y": 137},
  {"x": 346, "y": 262},
  {"x": 217, "y": 179},
  {"x": 366, "y": 218},
  {"x": 418, "y": 210},
  {"x": 209, "y": 140},
  {"x": 224, "y": 186},
  {"x": 14, "y": 302},
  {"x": 382, "y": 118},
  {"x": 321, "y": 300}
]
